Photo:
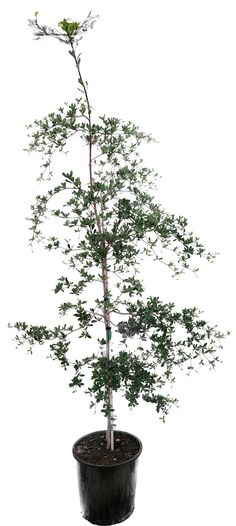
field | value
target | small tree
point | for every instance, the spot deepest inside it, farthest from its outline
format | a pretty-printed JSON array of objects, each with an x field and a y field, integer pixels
[{"x": 113, "y": 221}]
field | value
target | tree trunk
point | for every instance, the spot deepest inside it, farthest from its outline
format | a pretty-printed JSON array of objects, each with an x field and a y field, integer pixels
[
  {"x": 110, "y": 430},
  {"x": 100, "y": 226}
]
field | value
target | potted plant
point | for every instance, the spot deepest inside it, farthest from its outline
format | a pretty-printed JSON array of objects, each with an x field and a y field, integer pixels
[{"x": 109, "y": 219}]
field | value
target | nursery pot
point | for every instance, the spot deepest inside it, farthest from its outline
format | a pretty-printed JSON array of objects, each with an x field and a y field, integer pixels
[{"x": 107, "y": 492}]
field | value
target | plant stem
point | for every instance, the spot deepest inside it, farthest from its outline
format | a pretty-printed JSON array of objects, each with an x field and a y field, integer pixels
[{"x": 105, "y": 277}]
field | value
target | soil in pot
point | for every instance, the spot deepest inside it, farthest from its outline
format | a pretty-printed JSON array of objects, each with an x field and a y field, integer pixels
[{"x": 93, "y": 448}]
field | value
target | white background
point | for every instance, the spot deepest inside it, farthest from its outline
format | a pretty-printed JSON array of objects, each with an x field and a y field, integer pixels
[{"x": 169, "y": 67}]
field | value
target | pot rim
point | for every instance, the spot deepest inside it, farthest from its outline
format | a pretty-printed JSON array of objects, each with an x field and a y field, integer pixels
[{"x": 75, "y": 455}]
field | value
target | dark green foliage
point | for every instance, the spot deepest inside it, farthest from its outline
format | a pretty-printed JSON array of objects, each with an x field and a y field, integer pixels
[
  {"x": 157, "y": 324},
  {"x": 113, "y": 220}
]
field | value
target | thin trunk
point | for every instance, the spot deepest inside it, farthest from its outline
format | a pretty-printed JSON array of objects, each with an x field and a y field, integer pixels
[
  {"x": 107, "y": 321},
  {"x": 100, "y": 226},
  {"x": 110, "y": 430}
]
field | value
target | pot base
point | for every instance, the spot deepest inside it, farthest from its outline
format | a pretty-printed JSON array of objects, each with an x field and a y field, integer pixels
[{"x": 124, "y": 518}]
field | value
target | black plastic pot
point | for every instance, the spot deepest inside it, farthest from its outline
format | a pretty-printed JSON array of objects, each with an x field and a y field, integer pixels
[{"x": 107, "y": 492}]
